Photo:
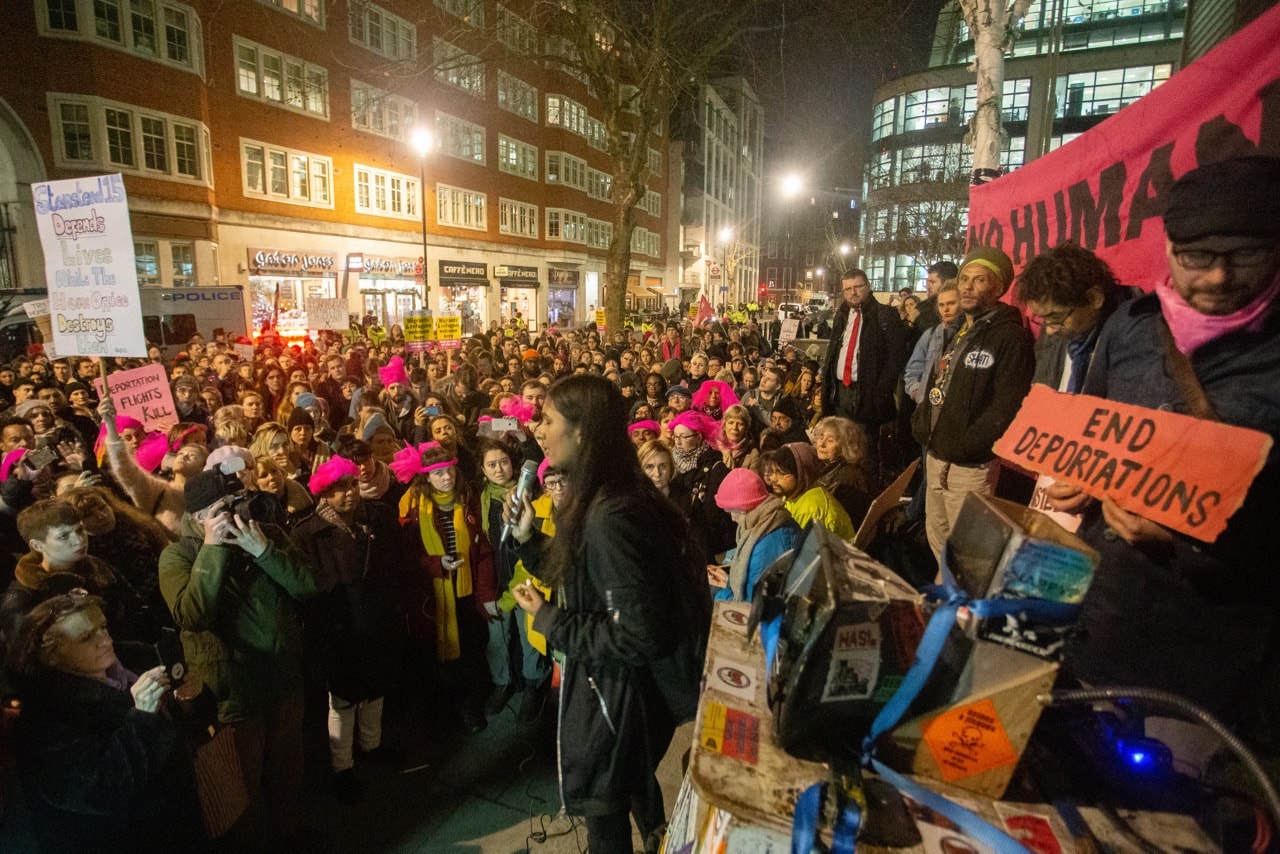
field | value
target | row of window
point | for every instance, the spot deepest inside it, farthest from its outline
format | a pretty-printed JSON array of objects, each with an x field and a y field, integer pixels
[
  {"x": 458, "y": 68},
  {"x": 459, "y": 138},
  {"x": 373, "y": 27},
  {"x": 382, "y": 113},
  {"x": 645, "y": 242},
  {"x": 945, "y": 105},
  {"x": 98, "y": 133},
  {"x": 268, "y": 75},
  {"x": 517, "y": 158},
  {"x": 148, "y": 252},
  {"x": 1086, "y": 93},
  {"x": 161, "y": 31},
  {"x": 941, "y": 163}
]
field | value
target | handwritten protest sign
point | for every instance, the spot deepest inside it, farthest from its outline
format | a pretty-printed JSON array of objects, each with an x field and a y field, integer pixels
[
  {"x": 327, "y": 313},
  {"x": 790, "y": 329},
  {"x": 600, "y": 322},
  {"x": 143, "y": 393},
  {"x": 243, "y": 351},
  {"x": 89, "y": 265},
  {"x": 1184, "y": 473},
  {"x": 449, "y": 331}
]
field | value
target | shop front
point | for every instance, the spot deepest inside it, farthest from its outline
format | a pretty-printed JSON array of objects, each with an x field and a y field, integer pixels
[
  {"x": 519, "y": 294},
  {"x": 644, "y": 295},
  {"x": 464, "y": 289},
  {"x": 390, "y": 288},
  {"x": 562, "y": 296},
  {"x": 283, "y": 281}
]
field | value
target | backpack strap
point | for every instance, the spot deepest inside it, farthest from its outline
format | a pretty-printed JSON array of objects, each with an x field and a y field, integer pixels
[{"x": 1185, "y": 376}]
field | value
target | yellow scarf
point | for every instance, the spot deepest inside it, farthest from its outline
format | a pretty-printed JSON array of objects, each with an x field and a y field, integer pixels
[{"x": 448, "y": 642}]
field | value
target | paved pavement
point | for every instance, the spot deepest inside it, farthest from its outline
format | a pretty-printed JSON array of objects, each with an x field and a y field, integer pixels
[{"x": 495, "y": 793}]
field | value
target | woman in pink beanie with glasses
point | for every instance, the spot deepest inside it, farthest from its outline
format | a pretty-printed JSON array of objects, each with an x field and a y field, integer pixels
[{"x": 765, "y": 531}]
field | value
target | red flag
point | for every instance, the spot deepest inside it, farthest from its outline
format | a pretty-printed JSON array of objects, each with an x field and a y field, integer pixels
[{"x": 705, "y": 313}]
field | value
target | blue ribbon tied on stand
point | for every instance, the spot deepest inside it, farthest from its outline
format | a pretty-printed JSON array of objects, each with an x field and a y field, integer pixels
[{"x": 804, "y": 829}]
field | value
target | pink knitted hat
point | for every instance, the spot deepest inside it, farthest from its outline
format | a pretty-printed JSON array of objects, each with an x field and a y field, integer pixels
[
  {"x": 696, "y": 421},
  {"x": 727, "y": 396},
  {"x": 393, "y": 372},
  {"x": 741, "y": 489},
  {"x": 648, "y": 424},
  {"x": 330, "y": 472}
]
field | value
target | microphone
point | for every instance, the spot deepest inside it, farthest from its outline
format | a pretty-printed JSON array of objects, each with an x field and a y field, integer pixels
[{"x": 528, "y": 474}]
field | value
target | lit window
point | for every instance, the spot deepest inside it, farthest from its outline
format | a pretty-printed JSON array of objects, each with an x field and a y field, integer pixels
[{"x": 285, "y": 175}]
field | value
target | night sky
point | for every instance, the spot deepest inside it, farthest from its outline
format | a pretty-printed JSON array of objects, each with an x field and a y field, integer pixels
[{"x": 815, "y": 65}]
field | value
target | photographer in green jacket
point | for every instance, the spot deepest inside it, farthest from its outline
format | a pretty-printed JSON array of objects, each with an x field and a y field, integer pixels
[{"x": 233, "y": 585}]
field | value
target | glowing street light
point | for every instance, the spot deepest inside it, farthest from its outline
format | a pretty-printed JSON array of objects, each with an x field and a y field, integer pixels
[
  {"x": 792, "y": 185},
  {"x": 421, "y": 141},
  {"x": 845, "y": 248}
]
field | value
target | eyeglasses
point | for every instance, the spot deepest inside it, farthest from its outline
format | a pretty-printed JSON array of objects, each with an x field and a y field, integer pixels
[
  {"x": 1203, "y": 259},
  {"x": 1057, "y": 319},
  {"x": 554, "y": 484},
  {"x": 683, "y": 437}
]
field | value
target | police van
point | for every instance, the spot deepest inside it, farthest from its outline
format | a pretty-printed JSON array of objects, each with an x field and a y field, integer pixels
[{"x": 170, "y": 316}]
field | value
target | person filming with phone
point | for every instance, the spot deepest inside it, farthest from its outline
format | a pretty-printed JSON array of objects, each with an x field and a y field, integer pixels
[{"x": 233, "y": 584}]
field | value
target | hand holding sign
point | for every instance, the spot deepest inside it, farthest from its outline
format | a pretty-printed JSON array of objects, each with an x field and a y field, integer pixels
[{"x": 1180, "y": 472}]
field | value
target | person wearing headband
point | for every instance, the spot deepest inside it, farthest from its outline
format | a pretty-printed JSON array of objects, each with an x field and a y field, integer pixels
[
  {"x": 452, "y": 587},
  {"x": 974, "y": 389}
]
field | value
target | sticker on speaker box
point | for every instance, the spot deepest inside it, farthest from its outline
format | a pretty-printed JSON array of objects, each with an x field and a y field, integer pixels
[{"x": 855, "y": 663}]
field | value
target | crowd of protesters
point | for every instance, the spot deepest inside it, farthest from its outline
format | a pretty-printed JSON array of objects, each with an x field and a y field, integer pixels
[{"x": 326, "y": 521}]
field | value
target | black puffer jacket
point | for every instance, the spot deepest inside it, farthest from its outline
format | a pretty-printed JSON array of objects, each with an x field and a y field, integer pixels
[
  {"x": 632, "y": 623},
  {"x": 992, "y": 372}
]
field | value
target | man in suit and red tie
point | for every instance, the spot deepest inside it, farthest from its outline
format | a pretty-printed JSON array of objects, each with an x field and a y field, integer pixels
[{"x": 865, "y": 358}]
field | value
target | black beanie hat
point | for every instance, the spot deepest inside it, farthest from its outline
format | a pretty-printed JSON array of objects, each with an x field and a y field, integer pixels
[
  {"x": 1232, "y": 197},
  {"x": 301, "y": 418},
  {"x": 788, "y": 407},
  {"x": 202, "y": 490}
]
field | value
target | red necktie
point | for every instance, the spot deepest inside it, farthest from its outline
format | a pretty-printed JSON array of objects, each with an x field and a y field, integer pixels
[{"x": 847, "y": 378}]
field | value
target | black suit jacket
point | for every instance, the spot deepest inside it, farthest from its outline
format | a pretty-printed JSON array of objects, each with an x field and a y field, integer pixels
[{"x": 882, "y": 355}]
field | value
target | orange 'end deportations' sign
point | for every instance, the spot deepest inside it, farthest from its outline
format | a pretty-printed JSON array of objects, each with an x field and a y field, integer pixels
[{"x": 1184, "y": 473}]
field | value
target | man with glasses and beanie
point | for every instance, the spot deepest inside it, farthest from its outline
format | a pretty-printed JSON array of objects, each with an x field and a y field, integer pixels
[
  {"x": 1166, "y": 611},
  {"x": 865, "y": 359},
  {"x": 233, "y": 587}
]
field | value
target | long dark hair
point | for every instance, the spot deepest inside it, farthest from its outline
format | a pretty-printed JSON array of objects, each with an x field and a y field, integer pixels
[{"x": 606, "y": 462}]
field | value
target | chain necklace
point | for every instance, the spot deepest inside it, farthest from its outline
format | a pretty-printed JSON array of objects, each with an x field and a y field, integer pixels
[{"x": 938, "y": 393}]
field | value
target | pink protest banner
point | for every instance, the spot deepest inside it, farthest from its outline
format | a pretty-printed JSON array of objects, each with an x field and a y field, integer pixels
[
  {"x": 1105, "y": 189},
  {"x": 1184, "y": 473},
  {"x": 143, "y": 393}
]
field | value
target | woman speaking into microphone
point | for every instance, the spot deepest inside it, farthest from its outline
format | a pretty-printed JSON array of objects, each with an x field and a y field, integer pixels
[{"x": 630, "y": 616}]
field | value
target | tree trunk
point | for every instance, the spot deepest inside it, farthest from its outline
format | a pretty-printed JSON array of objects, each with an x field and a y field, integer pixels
[
  {"x": 618, "y": 268},
  {"x": 989, "y": 22}
]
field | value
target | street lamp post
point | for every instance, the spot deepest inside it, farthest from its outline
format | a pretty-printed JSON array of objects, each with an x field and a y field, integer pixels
[
  {"x": 791, "y": 186},
  {"x": 422, "y": 145},
  {"x": 726, "y": 234}
]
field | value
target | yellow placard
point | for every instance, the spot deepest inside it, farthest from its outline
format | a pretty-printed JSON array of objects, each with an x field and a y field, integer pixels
[
  {"x": 448, "y": 327},
  {"x": 600, "y": 324}
]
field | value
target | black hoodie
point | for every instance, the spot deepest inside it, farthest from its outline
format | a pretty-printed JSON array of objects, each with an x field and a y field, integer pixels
[{"x": 992, "y": 372}]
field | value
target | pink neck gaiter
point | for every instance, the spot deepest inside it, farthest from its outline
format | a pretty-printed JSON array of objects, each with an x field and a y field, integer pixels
[{"x": 1192, "y": 330}]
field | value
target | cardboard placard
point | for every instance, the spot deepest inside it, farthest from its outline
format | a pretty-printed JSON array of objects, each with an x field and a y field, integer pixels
[
  {"x": 600, "y": 324},
  {"x": 143, "y": 393},
  {"x": 327, "y": 313},
  {"x": 89, "y": 266},
  {"x": 1181, "y": 472},
  {"x": 243, "y": 351},
  {"x": 790, "y": 329},
  {"x": 448, "y": 331}
]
